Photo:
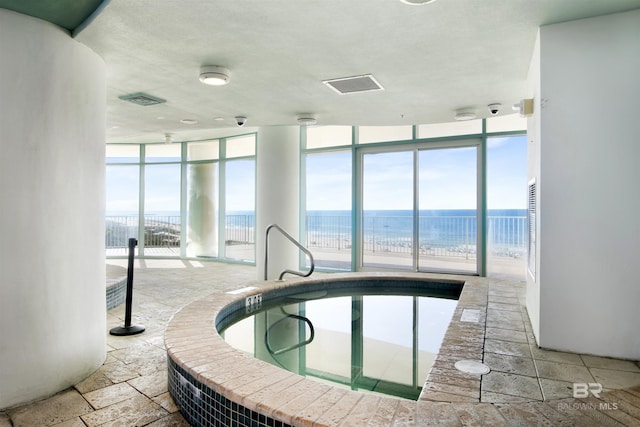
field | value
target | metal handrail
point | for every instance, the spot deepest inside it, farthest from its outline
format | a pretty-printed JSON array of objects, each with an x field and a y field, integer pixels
[
  {"x": 295, "y": 242},
  {"x": 293, "y": 346}
]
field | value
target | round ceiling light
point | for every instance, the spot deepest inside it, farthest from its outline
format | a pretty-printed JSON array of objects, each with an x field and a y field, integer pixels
[
  {"x": 214, "y": 75},
  {"x": 306, "y": 119},
  {"x": 417, "y": 2},
  {"x": 465, "y": 114}
]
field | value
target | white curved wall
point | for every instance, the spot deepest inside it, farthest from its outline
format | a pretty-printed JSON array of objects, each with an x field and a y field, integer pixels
[{"x": 52, "y": 269}]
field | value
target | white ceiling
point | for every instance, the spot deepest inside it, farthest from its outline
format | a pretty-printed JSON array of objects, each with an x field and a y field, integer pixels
[{"x": 431, "y": 59}]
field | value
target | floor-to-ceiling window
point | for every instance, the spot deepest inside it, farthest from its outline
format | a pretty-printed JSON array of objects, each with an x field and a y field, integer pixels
[
  {"x": 189, "y": 199},
  {"x": 161, "y": 202},
  {"x": 239, "y": 201},
  {"x": 448, "y": 208},
  {"x": 507, "y": 205},
  {"x": 419, "y": 206},
  {"x": 387, "y": 210},
  {"x": 423, "y": 197},
  {"x": 123, "y": 197},
  {"x": 507, "y": 197},
  {"x": 419, "y": 195},
  {"x": 328, "y": 196}
]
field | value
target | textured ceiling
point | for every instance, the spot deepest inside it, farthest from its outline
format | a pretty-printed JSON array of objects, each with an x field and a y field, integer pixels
[{"x": 430, "y": 59}]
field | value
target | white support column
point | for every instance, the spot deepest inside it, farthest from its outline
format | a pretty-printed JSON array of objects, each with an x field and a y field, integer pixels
[
  {"x": 52, "y": 187},
  {"x": 278, "y": 196},
  {"x": 203, "y": 230}
]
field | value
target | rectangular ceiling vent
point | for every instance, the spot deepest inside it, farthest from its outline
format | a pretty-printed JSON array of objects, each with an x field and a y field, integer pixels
[
  {"x": 344, "y": 85},
  {"x": 142, "y": 99}
]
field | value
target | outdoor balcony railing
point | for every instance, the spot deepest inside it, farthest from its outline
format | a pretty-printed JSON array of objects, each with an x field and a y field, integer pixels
[
  {"x": 439, "y": 235},
  {"x": 160, "y": 231},
  {"x": 450, "y": 236}
]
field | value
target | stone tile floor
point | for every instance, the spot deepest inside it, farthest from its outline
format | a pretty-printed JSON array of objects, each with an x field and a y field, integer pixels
[
  {"x": 520, "y": 371},
  {"x": 130, "y": 389},
  {"x": 527, "y": 385}
]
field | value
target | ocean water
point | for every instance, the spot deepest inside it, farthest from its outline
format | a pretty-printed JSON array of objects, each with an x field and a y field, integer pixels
[{"x": 437, "y": 228}]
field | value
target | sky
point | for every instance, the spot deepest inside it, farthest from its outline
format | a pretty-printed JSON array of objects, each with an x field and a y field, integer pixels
[
  {"x": 447, "y": 180},
  {"x": 162, "y": 187}
]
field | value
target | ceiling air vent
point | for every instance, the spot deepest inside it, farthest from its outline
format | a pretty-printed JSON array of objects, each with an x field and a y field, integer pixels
[
  {"x": 142, "y": 99},
  {"x": 354, "y": 84}
]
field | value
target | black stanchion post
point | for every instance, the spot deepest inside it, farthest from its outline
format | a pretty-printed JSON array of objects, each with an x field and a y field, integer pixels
[{"x": 128, "y": 329}]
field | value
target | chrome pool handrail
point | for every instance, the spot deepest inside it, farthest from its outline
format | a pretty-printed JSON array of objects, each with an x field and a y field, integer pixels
[
  {"x": 295, "y": 242},
  {"x": 293, "y": 346}
]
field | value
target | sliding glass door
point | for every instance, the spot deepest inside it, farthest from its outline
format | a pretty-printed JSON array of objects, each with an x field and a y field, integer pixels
[
  {"x": 447, "y": 201},
  {"x": 387, "y": 210},
  {"x": 418, "y": 207}
]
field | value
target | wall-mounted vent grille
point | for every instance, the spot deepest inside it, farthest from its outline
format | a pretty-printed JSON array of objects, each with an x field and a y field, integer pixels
[
  {"x": 142, "y": 99},
  {"x": 531, "y": 220},
  {"x": 344, "y": 85}
]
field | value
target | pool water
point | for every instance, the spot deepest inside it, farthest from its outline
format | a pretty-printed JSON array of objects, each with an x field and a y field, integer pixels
[{"x": 378, "y": 343}]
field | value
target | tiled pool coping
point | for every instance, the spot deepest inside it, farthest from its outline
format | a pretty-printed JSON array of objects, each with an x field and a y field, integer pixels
[{"x": 214, "y": 370}]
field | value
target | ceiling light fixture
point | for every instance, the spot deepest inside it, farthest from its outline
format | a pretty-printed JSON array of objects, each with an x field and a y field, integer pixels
[
  {"x": 306, "y": 119},
  {"x": 417, "y": 2},
  {"x": 465, "y": 114},
  {"x": 214, "y": 75},
  {"x": 188, "y": 121}
]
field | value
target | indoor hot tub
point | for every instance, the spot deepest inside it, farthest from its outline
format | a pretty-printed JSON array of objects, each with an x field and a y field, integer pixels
[{"x": 216, "y": 384}]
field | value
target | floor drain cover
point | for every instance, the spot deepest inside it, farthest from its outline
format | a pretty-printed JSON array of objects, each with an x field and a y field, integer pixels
[{"x": 472, "y": 367}]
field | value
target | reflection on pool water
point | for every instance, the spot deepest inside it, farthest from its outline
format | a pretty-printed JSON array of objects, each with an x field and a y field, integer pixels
[{"x": 377, "y": 343}]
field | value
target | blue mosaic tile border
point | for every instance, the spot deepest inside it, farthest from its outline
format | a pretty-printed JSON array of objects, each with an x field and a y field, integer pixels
[
  {"x": 201, "y": 406},
  {"x": 116, "y": 294}
]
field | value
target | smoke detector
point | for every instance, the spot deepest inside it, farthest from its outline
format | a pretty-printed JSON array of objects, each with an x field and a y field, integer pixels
[
  {"x": 465, "y": 114},
  {"x": 417, "y": 2},
  {"x": 305, "y": 119},
  {"x": 214, "y": 75}
]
